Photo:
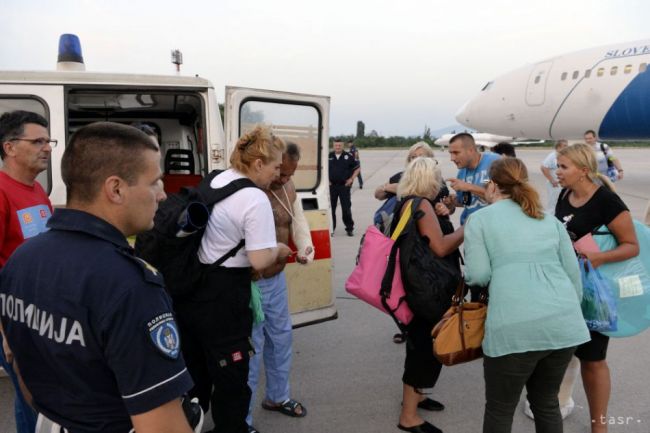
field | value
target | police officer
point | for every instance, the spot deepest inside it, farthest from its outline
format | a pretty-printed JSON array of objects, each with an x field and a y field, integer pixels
[
  {"x": 343, "y": 169},
  {"x": 90, "y": 324}
]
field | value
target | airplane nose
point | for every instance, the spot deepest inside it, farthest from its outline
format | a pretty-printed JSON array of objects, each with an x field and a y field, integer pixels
[{"x": 462, "y": 115}]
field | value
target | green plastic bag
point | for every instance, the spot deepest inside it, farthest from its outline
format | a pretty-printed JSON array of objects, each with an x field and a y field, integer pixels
[{"x": 256, "y": 304}]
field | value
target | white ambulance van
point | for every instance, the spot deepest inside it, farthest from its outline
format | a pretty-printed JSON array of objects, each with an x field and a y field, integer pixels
[{"x": 185, "y": 114}]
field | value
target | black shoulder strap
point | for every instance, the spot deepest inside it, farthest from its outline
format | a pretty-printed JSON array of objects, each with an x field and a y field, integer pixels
[{"x": 212, "y": 196}]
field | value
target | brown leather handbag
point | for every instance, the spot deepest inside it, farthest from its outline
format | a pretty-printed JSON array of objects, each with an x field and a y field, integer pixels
[{"x": 457, "y": 338}]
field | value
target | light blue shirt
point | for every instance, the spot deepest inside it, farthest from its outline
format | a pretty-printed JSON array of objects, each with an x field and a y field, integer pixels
[
  {"x": 475, "y": 176},
  {"x": 534, "y": 281}
]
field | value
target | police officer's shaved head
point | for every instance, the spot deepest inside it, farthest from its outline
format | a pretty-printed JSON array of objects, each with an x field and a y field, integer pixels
[{"x": 98, "y": 151}]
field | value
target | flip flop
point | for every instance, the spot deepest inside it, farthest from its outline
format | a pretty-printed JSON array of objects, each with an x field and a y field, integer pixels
[{"x": 288, "y": 407}]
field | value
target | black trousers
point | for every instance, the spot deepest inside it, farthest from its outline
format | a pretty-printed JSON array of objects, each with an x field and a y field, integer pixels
[
  {"x": 360, "y": 179},
  {"x": 541, "y": 372},
  {"x": 342, "y": 192},
  {"x": 421, "y": 368},
  {"x": 215, "y": 326}
]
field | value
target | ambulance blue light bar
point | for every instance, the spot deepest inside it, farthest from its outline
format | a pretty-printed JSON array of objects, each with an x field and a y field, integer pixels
[{"x": 70, "y": 49}]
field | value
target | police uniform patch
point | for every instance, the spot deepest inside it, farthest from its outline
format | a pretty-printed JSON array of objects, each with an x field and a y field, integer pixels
[{"x": 163, "y": 332}]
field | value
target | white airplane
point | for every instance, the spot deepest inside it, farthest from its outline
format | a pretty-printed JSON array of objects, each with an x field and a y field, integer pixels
[
  {"x": 482, "y": 139},
  {"x": 606, "y": 89}
]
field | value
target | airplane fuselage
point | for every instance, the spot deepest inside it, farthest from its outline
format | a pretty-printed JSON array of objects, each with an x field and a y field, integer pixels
[{"x": 606, "y": 89}]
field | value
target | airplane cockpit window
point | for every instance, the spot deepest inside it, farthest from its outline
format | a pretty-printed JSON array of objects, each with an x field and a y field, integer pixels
[
  {"x": 487, "y": 86},
  {"x": 601, "y": 72},
  {"x": 563, "y": 76},
  {"x": 587, "y": 73},
  {"x": 614, "y": 70},
  {"x": 643, "y": 67},
  {"x": 575, "y": 75},
  {"x": 628, "y": 69},
  {"x": 12, "y": 103}
]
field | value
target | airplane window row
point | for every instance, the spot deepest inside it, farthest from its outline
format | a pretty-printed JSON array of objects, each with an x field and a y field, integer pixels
[{"x": 599, "y": 72}]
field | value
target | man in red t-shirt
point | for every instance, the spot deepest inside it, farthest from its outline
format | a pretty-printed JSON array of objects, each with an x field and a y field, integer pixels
[{"x": 24, "y": 209}]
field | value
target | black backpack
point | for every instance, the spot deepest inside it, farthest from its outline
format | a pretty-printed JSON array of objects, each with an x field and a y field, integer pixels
[
  {"x": 179, "y": 224},
  {"x": 429, "y": 281}
]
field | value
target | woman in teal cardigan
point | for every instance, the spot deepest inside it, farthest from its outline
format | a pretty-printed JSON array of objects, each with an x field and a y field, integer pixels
[{"x": 534, "y": 320}]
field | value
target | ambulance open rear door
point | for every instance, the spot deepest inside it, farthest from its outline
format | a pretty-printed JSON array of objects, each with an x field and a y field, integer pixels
[{"x": 304, "y": 120}]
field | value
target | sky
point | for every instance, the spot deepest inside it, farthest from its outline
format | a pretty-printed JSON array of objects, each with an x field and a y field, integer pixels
[{"x": 395, "y": 65}]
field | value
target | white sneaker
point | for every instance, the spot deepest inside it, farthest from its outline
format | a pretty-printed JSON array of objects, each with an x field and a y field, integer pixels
[
  {"x": 564, "y": 410},
  {"x": 3, "y": 373}
]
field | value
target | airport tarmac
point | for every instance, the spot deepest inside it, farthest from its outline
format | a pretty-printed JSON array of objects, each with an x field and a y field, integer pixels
[{"x": 347, "y": 372}]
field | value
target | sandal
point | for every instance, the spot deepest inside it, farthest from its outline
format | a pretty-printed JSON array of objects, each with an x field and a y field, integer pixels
[
  {"x": 288, "y": 407},
  {"x": 399, "y": 338}
]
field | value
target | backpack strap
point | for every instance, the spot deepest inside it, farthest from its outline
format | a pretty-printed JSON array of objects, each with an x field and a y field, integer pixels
[{"x": 213, "y": 196}]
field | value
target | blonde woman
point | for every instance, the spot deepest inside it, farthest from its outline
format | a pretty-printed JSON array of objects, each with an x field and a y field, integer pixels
[
  {"x": 587, "y": 202},
  {"x": 421, "y": 369},
  {"x": 215, "y": 319}
]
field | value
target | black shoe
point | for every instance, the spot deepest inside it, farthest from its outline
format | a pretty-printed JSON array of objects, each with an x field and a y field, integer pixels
[
  {"x": 252, "y": 429},
  {"x": 432, "y": 405},
  {"x": 399, "y": 338},
  {"x": 425, "y": 427},
  {"x": 332, "y": 233},
  {"x": 350, "y": 232}
]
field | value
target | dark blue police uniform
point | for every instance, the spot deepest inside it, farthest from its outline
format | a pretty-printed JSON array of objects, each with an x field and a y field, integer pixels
[
  {"x": 90, "y": 325},
  {"x": 340, "y": 170}
]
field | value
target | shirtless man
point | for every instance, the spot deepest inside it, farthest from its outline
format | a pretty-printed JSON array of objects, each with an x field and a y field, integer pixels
[{"x": 276, "y": 329}]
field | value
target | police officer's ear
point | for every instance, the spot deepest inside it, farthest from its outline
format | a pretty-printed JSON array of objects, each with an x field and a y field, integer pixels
[{"x": 114, "y": 189}]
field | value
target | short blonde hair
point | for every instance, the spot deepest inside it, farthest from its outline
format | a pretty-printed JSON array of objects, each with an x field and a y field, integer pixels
[
  {"x": 421, "y": 178},
  {"x": 419, "y": 145},
  {"x": 583, "y": 156},
  {"x": 258, "y": 143}
]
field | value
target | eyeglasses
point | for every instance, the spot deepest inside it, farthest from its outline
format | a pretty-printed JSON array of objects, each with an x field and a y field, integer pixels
[{"x": 40, "y": 142}]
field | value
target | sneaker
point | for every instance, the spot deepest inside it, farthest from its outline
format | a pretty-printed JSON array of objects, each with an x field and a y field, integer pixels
[
  {"x": 350, "y": 232},
  {"x": 252, "y": 429}
]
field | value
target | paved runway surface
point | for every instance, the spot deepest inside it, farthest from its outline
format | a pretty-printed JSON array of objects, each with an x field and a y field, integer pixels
[{"x": 347, "y": 372}]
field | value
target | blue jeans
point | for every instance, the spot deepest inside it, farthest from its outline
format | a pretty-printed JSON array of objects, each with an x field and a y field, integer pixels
[
  {"x": 25, "y": 415},
  {"x": 272, "y": 341}
]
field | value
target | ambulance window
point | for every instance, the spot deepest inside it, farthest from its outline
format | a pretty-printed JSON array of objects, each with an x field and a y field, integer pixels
[
  {"x": 11, "y": 103},
  {"x": 601, "y": 72},
  {"x": 587, "y": 73},
  {"x": 563, "y": 76},
  {"x": 642, "y": 67},
  {"x": 538, "y": 79},
  {"x": 628, "y": 69},
  {"x": 293, "y": 122},
  {"x": 177, "y": 117},
  {"x": 575, "y": 75},
  {"x": 614, "y": 70}
]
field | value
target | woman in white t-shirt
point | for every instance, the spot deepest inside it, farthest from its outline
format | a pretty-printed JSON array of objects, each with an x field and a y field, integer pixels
[
  {"x": 549, "y": 166},
  {"x": 215, "y": 320}
]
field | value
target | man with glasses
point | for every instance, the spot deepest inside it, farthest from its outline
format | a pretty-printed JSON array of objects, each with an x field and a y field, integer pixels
[{"x": 24, "y": 210}]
